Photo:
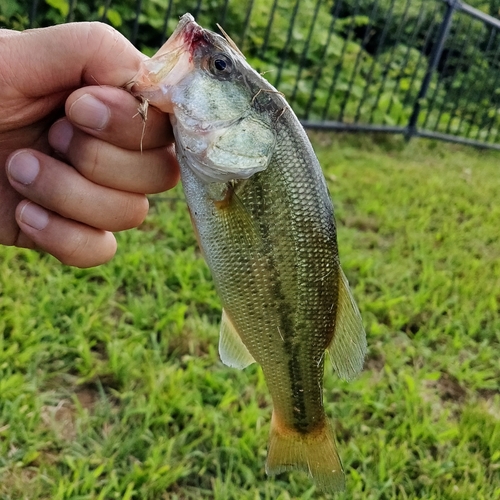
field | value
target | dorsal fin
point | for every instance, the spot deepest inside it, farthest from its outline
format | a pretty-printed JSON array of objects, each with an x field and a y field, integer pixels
[
  {"x": 232, "y": 350},
  {"x": 348, "y": 347}
]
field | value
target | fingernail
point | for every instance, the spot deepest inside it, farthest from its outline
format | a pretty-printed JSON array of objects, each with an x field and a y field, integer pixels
[
  {"x": 87, "y": 111},
  {"x": 34, "y": 216},
  {"x": 60, "y": 135},
  {"x": 23, "y": 167}
]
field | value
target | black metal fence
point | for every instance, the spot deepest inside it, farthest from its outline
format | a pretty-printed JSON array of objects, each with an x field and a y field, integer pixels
[{"x": 427, "y": 68}]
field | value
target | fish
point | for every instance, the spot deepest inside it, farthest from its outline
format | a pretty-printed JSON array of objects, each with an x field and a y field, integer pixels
[{"x": 265, "y": 223}]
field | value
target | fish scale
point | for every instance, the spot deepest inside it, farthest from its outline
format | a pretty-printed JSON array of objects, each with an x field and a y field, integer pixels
[{"x": 264, "y": 220}]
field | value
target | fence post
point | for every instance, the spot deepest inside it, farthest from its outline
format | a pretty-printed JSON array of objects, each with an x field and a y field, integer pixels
[{"x": 434, "y": 58}]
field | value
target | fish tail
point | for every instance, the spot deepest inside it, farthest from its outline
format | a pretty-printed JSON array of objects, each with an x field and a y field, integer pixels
[{"x": 314, "y": 452}]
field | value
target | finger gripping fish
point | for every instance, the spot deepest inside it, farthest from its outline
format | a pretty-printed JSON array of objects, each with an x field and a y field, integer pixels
[{"x": 264, "y": 220}]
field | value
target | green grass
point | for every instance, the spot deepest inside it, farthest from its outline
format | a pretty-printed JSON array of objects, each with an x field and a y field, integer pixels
[{"x": 111, "y": 386}]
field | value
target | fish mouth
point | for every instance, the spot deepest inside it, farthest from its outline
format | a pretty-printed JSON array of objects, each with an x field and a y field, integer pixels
[
  {"x": 187, "y": 35},
  {"x": 169, "y": 65}
]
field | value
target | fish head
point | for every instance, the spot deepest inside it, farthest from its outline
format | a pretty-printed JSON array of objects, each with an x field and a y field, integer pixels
[{"x": 204, "y": 82}]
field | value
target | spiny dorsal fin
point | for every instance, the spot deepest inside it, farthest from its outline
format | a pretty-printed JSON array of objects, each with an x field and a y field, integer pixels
[
  {"x": 232, "y": 350},
  {"x": 348, "y": 347}
]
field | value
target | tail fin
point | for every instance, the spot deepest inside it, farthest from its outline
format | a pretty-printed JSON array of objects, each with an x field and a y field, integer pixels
[{"x": 315, "y": 453}]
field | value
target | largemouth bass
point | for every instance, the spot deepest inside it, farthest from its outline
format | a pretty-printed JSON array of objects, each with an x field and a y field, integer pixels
[{"x": 264, "y": 220}]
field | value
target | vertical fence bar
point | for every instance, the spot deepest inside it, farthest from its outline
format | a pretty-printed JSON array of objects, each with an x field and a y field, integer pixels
[
  {"x": 491, "y": 64},
  {"x": 197, "y": 10},
  {"x": 33, "y": 10},
  {"x": 374, "y": 60},
  {"x": 358, "y": 59},
  {"x": 268, "y": 29},
  {"x": 338, "y": 66},
  {"x": 104, "y": 16},
  {"x": 71, "y": 13},
  {"x": 433, "y": 62},
  {"x": 168, "y": 13},
  {"x": 286, "y": 48},
  {"x": 305, "y": 51},
  {"x": 388, "y": 65},
  {"x": 224, "y": 13},
  {"x": 445, "y": 61},
  {"x": 484, "y": 115},
  {"x": 427, "y": 41},
  {"x": 322, "y": 60},
  {"x": 490, "y": 125},
  {"x": 135, "y": 30},
  {"x": 410, "y": 44},
  {"x": 463, "y": 94},
  {"x": 497, "y": 135},
  {"x": 246, "y": 24}
]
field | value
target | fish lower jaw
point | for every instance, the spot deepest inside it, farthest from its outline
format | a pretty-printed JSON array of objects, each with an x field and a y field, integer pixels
[{"x": 156, "y": 97}]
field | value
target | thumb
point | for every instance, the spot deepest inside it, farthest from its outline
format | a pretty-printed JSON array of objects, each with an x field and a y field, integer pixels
[{"x": 65, "y": 57}]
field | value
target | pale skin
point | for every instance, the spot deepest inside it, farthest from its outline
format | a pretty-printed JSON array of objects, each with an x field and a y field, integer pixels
[{"x": 70, "y": 144}]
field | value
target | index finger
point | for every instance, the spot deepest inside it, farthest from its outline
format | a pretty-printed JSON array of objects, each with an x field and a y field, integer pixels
[{"x": 67, "y": 56}]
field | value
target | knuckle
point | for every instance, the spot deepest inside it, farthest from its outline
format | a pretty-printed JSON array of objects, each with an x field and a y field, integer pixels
[
  {"x": 23, "y": 241},
  {"x": 75, "y": 248},
  {"x": 87, "y": 247},
  {"x": 10, "y": 232},
  {"x": 86, "y": 155},
  {"x": 134, "y": 208},
  {"x": 93, "y": 160}
]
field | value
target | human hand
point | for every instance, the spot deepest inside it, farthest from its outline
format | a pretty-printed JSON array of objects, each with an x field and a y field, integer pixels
[{"x": 70, "y": 181}]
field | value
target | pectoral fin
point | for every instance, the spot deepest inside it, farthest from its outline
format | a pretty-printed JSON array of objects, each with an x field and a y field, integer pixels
[
  {"x": 232, "y": 350},
  {"x": 348, "y": 347},
  {"x": 235, "y": 218}
]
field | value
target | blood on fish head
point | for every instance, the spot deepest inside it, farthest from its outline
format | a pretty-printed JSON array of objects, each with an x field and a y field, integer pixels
[
  {"x": 170, "y": 64},
  {"x": 188, "y": 35}
]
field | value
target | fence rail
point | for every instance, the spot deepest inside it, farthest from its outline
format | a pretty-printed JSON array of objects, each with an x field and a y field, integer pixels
[{"x": 428, "y": 68}]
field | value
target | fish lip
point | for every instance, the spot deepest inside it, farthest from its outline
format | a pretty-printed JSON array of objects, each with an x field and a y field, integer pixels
[
  {"x": 169, "y": 65},
  {"x": 186, "y": 33}
]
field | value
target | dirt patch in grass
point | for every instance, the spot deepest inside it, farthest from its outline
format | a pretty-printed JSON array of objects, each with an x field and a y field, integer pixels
[
  {"x": 363, "y": 223},
  {"x": 87, "y": 397},
  {"x": 449, "y": 388},
  {"x": 491, "y": 401},
  {"x": 446, "y": 389},
  {"x": 62, "y": 418},
  {"x": 375, "y": 362},
  {"x": 18, "y": 482}
]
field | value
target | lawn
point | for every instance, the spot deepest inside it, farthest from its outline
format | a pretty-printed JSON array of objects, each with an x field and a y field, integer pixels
[{"x": 111, "y": 385}]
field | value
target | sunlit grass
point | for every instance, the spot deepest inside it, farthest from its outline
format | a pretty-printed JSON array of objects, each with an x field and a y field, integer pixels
[{"x": 111, "y": 386}]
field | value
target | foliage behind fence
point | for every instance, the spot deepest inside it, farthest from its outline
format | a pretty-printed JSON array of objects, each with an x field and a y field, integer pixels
[{"x": 419, "y": 67}]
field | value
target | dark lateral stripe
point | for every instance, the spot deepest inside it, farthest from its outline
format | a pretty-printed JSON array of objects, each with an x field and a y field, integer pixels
[{"x": 298, "y": 411}]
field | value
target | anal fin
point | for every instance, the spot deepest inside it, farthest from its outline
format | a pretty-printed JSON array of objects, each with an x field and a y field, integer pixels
[
  {"x": 348, "y": 347},
  {"x": 232, "y": 350}
]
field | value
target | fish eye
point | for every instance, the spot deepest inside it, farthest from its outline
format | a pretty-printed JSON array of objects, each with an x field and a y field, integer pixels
[{"x": 221, "y": 64}]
